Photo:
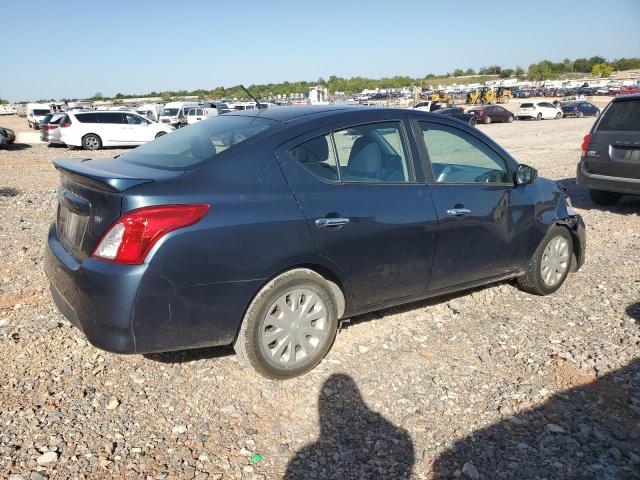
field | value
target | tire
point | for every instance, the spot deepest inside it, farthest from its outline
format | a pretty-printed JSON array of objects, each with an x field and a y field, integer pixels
[
  {"x": 472, "y": 121},
  {"x": 579, "y": 114},
  {"x": 604, "y": 198},
  {"x": 596, "y": 114},
  {"x": 510, "y": 119},
  {"x": 91, "y": 141},
  {"x": 558, "y": 115},
  {"x": 550, "y": 264},
  {"x": 29, "y": 125},
  {"x": 539, "y": 117},
  {"x": 487, "y": 120},
  {"x": 159, "y": 134},
  {"x": 287, "y": 290}
]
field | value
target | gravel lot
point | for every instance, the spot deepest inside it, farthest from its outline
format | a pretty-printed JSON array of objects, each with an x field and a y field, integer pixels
[{"x": 494, "y": 383}]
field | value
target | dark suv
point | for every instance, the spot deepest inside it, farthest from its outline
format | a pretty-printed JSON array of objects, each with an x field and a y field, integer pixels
[{"x": 610, "y": 163}]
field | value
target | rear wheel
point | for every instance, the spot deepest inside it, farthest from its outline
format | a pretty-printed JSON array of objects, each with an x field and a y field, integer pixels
[
  {"x": 91, "y": 142},
  {"x": 550, "y": 264},
  {"x": 596, "y": 113},
  {"x": 558, "y": 115},
  {"x": 289, "y": 326},
  {"x": 472, "y": 121},
  {"x": 579, "y": 114},
  {"x": 539, "y": 116},
  {"x": 604, "y": 198},
  {"x": 487, "y": 120},
  {"x": 510, "y": 119}
]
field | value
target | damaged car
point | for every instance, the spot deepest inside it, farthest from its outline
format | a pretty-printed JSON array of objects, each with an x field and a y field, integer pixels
[{"x": 264, "y": 228}]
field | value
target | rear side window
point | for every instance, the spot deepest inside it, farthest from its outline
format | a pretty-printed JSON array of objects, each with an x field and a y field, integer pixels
[
  {"x": 202, "y": 141},
  {"x": 621, "y": 117},
  {"x": 87, "y": 118},
  {"x": 459, "y": 157},
  {"x": 318, "y": 157},
  {"x": 112, "y": 118}
]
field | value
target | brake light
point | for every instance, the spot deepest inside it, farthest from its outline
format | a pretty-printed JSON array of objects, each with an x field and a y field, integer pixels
[
  {"x": 65, "y": 123},
  {"x": 130, "y": 239},
  {"x": 585, "y": 144}
]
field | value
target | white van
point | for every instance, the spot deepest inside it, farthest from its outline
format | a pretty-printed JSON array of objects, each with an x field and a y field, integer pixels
[
  {"x": 150, "y": 111},
  {"x": 175, "y": 113},
  {"x": 200, "y": 113},
  {"x": 35, "y": 113}
]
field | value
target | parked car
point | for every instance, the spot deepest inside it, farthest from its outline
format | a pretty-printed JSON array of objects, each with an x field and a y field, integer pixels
[
  {"x": 580, "y": 109},
  {"x": 35, "y": 114},
  {"x": 264, "y": 228},
  {"x": 627, "y": 90},
  {"x": 175, "y": 113},
  {"x": 199, "y": 113},
  {"x": 50, "y": 128},
  {"x": 7, "y": 136},
  {"x": 491, "y": 114},
  {"x": 458, "y": 113},
  {"x": 539, "y": 111},
  {"x": 427, "y": 106},
  {"x": 610, "y": 162},
  {"x": 94, "y": 130},
  {"x": 150, "y": 111}
]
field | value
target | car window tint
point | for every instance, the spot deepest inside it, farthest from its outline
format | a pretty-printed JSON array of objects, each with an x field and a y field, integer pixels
[
  {"x": 318, "y": 157},
  {"x": 458, "y": 157},
  {"x": 373, "y": 153},
  {"x": 111, "y": 118},
  {"x": 134, "y": 120},
  {"x": 622, "y": 116},
  {"x": 87, "y": 118}
]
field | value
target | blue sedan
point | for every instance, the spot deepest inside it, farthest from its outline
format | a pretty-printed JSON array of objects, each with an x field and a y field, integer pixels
[
  {"x": 264, "y": 228},
  {"x": 580, "y": 109}
]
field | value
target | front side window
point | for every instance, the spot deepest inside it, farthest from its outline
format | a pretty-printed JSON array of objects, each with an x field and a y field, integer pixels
[
  {"x": 318, "y": 157},
  {"x": 459, "y": 157},
  {"x": 202, "y": 141},
  {"x": 135, "y": 120},
  {"x": 374, "y": 152}
]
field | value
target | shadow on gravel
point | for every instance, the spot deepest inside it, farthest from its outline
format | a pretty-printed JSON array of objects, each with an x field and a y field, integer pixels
[
  {"x": 628, "y": 205},
  {"x": 633, "y": 311},
  {"x": 192, "y": 355},
  {"x": 591, "y": 431},
  {"x": 17, "y": 146},
  {"x": 354, "y": 441}
]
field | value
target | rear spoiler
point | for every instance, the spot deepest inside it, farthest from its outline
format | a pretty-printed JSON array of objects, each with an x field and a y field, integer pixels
[{"x": 88, "y": 171}]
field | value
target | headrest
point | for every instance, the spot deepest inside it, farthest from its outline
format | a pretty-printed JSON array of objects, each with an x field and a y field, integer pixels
[{"x": 367, "y": 160}]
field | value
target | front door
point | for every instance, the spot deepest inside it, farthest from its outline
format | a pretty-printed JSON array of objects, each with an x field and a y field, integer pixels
[
  {"x": 365, "y": 208},
  {"x": 484, "y": 219}
]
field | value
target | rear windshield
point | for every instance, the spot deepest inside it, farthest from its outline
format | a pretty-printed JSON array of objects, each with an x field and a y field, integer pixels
[
  {"x": 202, "y": 141},
  {"x": 622, "y": 117},
  {"x": 527, "y": 105}
]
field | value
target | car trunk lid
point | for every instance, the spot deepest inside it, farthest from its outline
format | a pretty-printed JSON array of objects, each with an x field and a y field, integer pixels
[{"x": 90, "y": 198}]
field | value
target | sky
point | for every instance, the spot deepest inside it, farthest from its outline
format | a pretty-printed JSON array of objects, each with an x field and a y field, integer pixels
[{"x": 73, "y": 49}]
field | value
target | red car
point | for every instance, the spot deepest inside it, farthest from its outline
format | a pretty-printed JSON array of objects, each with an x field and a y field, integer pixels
[
  {"x": 627, "y": 91},
  {"x": 491, "y": 114}
]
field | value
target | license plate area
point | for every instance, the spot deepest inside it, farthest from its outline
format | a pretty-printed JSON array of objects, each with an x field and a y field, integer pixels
[{"x": 71, "y": 227}]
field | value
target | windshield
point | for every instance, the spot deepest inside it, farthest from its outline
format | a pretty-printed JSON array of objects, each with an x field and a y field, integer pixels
[
  {"x": 40, "y": 112},
  {"x": 169, "y": 112},
  {"x": 202, "y": 141}
]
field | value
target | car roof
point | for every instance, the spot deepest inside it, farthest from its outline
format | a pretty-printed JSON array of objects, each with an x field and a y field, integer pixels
[
  {"x": 626, "y": 98},
  {"x": 286, "y": 114}
]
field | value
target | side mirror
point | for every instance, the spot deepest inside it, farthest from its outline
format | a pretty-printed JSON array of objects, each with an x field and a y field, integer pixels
[{"x": 525, "y": 174}]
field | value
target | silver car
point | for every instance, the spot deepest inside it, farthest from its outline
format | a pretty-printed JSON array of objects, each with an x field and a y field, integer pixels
[{"x": 50, "y": 128}]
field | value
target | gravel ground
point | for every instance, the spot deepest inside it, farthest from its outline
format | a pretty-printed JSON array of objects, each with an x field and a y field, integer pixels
[{"x": 493, "y": 383}]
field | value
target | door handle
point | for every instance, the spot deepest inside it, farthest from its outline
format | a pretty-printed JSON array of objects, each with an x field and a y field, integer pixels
[
  {"x": 332, "y": 222},
  {"x": 458, "y": 212}
]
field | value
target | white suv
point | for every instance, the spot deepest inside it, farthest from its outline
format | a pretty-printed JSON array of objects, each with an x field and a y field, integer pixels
[
  {"x": 94, "y": 130},
  {"x": 539, "y": 110}
]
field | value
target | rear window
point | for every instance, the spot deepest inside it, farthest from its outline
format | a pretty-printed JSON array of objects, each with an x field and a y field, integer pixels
[
  {"x": 202, "y": 141},
  {"x": 527, "y": 105},
  {"x": 621, "y": 117},
  {"x": 39, "y": 112},
  {"x": 87, "y": 117}
]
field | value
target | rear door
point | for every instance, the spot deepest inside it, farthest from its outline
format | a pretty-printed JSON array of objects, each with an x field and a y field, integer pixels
[
  {"x": 614, "y": 149},
  {"x": 113, "y": 128},
  {"x": 365, "y": 206},
  {"x": 484, "y": 219}
]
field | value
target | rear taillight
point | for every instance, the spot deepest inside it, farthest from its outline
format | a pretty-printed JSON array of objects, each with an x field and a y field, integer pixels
[
  {"x": 130, "y": 239},
  {"x": 585, "y": 144},
  {"x": 65, "y": 123}
]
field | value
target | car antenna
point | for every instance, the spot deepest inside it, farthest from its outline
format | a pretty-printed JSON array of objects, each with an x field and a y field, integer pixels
[{"x": 252, "y": 97}]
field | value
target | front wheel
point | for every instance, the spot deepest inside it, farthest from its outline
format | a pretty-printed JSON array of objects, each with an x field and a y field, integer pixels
[
  {"x": 596, "y": 113},
  {"x": 91, "y": 142},
  {"x": 159, "y": 134},
  {"x": 558, "y": 115},
  {"x": 472, "y": 121},
  {"x": 579, "y": 114},
  {"x": 487, "y": 120},
  {"x": 550, "y": 264},
  {"x": 606, "y": 199},
  {"x": 289, "y": 326},
  {"x": 539, "y": 116},
  {"x": 510, "y": 119}
]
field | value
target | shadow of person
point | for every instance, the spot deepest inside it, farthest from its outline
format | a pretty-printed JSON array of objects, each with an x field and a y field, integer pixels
[
  {"x": 588, "y": 432},
  {"x": 354, "y": 441}
]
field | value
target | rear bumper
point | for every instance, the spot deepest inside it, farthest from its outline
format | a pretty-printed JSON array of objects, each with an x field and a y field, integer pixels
[
  {"x": 136, "y": 309},
  {"x": 584, "y": 178}
]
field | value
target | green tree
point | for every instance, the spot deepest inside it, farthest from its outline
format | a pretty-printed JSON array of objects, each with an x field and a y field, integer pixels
[
  {"x": 519, "y": 71},
  {"x": 97, "y": 96},
  {"x": 470, "y": 71},
  {"x": 506, "y": 72},
  {"x": 601, "y": 70},
  {"x": 458, "y": 72}
]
